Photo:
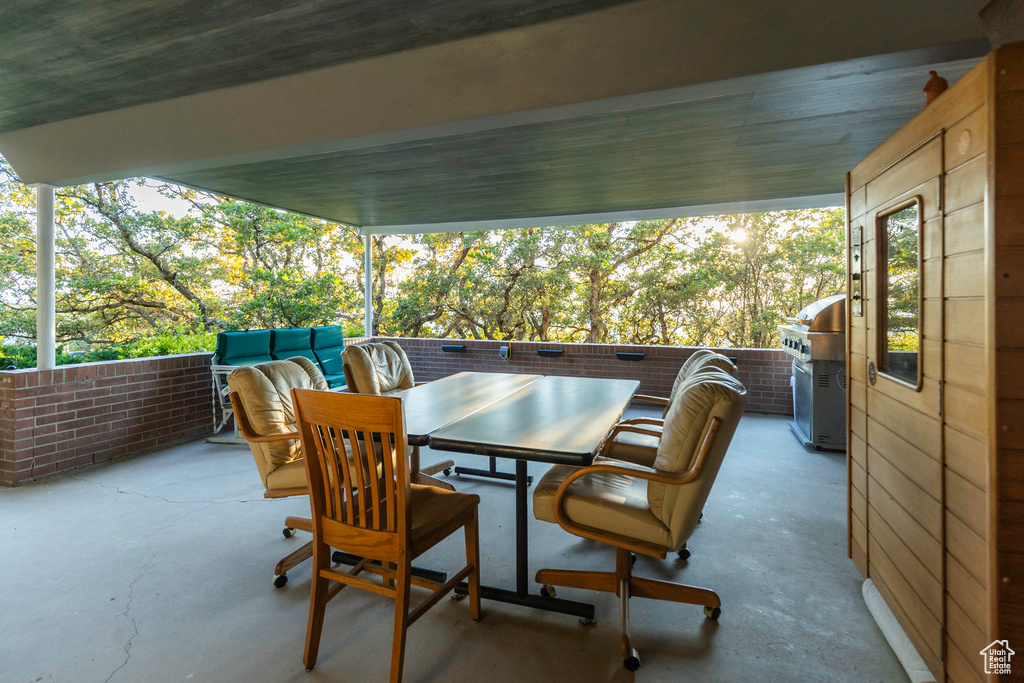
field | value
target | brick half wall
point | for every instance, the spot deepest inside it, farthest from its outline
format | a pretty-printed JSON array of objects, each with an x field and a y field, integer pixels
[
  {"x": 764, "y": 372},
  {"x": 56, "y": 420}
]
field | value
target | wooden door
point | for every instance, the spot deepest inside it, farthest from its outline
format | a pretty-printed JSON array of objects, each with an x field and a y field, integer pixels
[{"x": 896, "y": 374}]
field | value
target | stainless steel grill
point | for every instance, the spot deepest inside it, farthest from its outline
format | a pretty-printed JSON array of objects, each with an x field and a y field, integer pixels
[{"x": 816, "y": 338}]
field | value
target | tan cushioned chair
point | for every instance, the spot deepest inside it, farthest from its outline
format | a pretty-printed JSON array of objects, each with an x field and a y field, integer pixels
[
  {"x": 640, "y": 445},
  {"x": 378, "y": 368},
  {"x": 382, "y": 369},
  {"x": 265, "y": 393},
  {"x": 647, "y": 510},
  {"x": 262, "y": 402},
  {"x": 617, "y": 501}
]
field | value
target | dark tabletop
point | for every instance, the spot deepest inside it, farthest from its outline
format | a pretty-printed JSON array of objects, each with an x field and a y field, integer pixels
[
  {"x": 433, "y": 405},
  {"x": 553, "y": 419}
]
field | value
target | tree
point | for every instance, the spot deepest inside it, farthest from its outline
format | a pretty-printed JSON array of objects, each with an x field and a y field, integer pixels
[{"x": 124, "y": 274}]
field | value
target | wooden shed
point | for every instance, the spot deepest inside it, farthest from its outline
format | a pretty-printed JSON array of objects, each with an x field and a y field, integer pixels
[{"x": 936, "y": 366}]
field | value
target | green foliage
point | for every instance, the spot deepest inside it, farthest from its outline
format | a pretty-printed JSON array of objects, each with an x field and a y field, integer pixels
[
  {"x": 134, "y": 283},
  {"x": 701, "y": 282},
  {"x": 23, "y": 356}
]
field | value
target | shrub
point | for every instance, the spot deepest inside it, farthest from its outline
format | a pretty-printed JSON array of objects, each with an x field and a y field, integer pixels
[{"x": 24, "y": 356}]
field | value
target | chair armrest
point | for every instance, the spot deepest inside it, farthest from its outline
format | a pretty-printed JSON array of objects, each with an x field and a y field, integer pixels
[
  {"x": 626, "y": 427},
  {"x": 287, "y": 436},
  {"x": 675, "y": 478},
  {"x": 651, "y": 399},
  {"x": 643, "y": 421}
]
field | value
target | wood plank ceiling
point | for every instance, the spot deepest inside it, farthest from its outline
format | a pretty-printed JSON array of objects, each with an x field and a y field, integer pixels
[
  {"x": 773, "y": 142},
  {"x": 398, "y": 115},
  {"x": 62, "y": 60}
]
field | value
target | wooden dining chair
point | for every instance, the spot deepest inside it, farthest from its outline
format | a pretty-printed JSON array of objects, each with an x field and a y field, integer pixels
[{"x": 368, "y": 507}]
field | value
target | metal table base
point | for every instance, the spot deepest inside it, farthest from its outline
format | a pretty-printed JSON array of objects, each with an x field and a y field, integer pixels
[
  {"x": 521, "y": 595},
  {"x": 491, "y": 472}
]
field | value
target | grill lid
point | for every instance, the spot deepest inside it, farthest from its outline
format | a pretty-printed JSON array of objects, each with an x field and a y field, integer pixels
[{"x": 824, "y": 315}]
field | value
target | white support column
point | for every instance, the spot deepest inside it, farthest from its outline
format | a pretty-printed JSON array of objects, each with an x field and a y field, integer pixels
[
  {"x": 368, "y": 285},
  {"x": 46, "y": 313}
]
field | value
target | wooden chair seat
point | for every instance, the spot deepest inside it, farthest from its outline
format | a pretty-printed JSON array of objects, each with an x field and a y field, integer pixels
[{"x": 436, "y": 514}]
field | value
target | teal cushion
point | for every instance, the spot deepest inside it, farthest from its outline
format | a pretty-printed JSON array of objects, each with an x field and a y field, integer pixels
[
  {"x": 327, "y": 336},
  {"x": 285, "y": 355},
  {"x": 291, "y": 339},
  {"x": 335, "y": 380},
  {"x": 328, "y": 343},
  {"x": 243, "y": 348}
]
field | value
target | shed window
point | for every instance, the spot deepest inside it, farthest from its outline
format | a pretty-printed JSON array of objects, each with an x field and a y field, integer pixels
[{"x": 900, "y": 280}]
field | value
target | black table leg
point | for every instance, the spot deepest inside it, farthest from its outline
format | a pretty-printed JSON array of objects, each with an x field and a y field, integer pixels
[
  {"x": 491, "y": 472},
  {"x": 522, "y": 533},
  {"x": 521, "y": 595}
]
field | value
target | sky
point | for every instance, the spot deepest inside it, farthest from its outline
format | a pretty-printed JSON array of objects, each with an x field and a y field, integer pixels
[{"x": 148, "y": 199}]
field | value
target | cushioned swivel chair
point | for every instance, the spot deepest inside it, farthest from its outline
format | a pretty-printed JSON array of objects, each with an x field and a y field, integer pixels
[
  {"x": 636, "y": 440},
  {"x": 646, "y": 510},
  {"x": 383, "y": 369},
  {"x": 262, "y": 403}
]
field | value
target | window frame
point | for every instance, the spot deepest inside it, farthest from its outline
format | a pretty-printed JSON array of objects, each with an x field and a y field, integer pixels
[{"x": 882, "y": 293}]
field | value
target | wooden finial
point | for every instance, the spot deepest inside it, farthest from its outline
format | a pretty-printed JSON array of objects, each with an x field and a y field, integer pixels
[{"x": 935, "y": 86}]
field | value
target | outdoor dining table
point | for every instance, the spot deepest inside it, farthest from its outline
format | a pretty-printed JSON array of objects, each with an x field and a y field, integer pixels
[{"x": 528, "y": 418}]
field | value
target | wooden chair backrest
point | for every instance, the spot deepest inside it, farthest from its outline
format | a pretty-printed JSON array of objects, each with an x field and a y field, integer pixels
[{"x": 358, "y": 504}]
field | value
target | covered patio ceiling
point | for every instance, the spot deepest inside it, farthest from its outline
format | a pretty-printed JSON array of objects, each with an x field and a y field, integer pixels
[{"x": 472, "y": 114}]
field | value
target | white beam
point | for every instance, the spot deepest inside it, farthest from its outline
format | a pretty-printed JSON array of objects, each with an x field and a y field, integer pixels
[
  {"x": 817, "y": 201},
  {"x": 368, "y": 286},
  {"x": 46, "y": 306}
]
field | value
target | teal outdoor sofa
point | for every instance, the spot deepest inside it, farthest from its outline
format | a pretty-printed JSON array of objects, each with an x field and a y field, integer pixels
[{"x": 322, "y": 345}]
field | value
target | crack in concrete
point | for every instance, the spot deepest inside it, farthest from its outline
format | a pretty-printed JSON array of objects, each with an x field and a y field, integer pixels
[
  {"x": 118, "y": 489},
  {"x": 131, "y": 595},
  {"x": 129, "y": 617}
]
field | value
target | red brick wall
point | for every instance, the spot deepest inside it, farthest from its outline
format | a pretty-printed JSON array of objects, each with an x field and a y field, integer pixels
[
  {"x": 764, "y": 372},
  {"x": 55, "y": 420}
]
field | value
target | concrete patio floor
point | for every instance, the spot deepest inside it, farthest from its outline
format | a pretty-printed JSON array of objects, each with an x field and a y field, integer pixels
[{"x": 159, "y": 568}]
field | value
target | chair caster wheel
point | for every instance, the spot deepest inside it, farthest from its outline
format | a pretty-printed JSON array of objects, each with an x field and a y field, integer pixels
[
  {"x": 701, "y": 517},
  {"x": 337, "y": 557},
  {"x": 288, "y": 532},
  {"x": 447, "y": 471},
  {"x": 587, "y": 621},
  {"x": 632, "y": 662},
  {"x": 684, "y": 554},
  {"x": 280, "y": 580},
  {"x": 547, "y": 590},
  {"x": 458, "y": 597},
  {"x": 713, "y": 613}
]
